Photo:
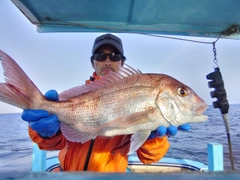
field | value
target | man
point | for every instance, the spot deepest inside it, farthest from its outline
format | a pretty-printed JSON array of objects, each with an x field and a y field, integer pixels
[{"x": 102, "y": 154}]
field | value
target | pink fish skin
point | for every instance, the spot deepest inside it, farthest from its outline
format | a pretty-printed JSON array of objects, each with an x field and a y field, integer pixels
[{"x": 127, "y": 102}]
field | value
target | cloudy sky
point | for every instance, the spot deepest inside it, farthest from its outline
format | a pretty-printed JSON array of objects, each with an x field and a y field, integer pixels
[{"x": 61, "y": 60}]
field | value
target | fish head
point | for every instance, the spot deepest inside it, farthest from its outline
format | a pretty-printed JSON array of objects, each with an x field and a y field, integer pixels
[{"x": 179, "y": 104}]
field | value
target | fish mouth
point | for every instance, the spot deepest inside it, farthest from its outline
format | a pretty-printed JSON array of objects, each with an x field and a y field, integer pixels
[
  {"x": 203, "y": 117},
  {"x": 191, "y": 119},
  {"x": 196, "y": 115},
  {"x": 200, "y": 118},
  {"x": 200, "y": 110}
]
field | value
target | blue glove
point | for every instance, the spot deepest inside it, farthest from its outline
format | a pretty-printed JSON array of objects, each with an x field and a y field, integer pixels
[
  {"x": 45, "y": 124},
  {"x": 169, "y": 131}
]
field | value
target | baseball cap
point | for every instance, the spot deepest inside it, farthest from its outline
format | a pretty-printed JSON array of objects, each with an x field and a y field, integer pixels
[{"x": 110, "y": 39}]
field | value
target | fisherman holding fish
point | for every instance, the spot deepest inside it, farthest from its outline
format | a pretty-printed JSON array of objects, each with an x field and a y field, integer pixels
[{"x": 103, "y": 147}]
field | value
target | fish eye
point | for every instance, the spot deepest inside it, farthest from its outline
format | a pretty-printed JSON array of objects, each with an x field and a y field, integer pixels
[{"x": 182, "y": 91}]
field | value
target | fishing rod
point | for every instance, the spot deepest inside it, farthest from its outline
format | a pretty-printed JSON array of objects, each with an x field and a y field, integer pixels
[{"x": 222, "y": 102}]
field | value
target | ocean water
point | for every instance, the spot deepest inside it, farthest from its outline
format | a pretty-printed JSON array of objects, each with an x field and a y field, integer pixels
[{"x": 16, "y": 146}]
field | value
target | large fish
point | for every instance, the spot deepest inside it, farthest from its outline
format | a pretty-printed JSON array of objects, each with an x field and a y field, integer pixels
[{"x": 126, "y": 102}]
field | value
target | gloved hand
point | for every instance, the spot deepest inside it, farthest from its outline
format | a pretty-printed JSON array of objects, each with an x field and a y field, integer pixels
[
  {"x": 169, "y": 131},
  {"x": 45, "y": 124}
]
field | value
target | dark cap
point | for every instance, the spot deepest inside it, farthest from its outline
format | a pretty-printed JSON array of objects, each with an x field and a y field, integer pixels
[{"x": 108, "y": 39}]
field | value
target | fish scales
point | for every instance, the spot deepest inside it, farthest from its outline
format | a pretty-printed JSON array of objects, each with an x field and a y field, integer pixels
[{"x": 126, "y": 96}]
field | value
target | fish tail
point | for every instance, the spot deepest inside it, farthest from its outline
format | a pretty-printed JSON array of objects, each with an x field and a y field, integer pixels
[{"x": 18, "y": 90}]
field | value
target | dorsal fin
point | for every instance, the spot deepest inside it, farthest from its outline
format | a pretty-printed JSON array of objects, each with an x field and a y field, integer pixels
[{"x": 99, "y": 83}]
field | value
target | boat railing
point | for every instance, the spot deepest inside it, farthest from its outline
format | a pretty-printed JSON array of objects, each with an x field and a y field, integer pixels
[{"x": 214, "y": 151}]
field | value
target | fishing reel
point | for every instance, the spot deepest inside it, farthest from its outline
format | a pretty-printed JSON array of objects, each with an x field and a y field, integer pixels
[{"x": 219, "y": 92}]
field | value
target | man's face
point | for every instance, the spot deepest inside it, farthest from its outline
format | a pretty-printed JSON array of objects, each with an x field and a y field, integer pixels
[{"x": 103, "y": 68}]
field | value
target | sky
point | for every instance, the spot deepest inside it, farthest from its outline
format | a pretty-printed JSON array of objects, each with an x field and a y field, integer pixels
[{"x": 62, "y": 60}]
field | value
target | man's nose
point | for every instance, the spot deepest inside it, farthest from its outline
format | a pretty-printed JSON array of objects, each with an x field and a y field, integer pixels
[{"x": 108, "y": 61}]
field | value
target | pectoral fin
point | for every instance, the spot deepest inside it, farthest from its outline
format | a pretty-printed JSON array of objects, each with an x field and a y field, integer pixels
[
  {"x": 75, "y": 136},
  {"x": 137, "y": 140},
  {"x": 127, "y": 121}
]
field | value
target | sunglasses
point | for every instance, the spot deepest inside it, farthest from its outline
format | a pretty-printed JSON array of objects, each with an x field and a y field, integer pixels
[{"x": 103, "y": 56}]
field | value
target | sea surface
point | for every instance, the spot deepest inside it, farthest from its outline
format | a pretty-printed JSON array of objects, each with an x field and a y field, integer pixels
[{"x": 16, "y": 146}]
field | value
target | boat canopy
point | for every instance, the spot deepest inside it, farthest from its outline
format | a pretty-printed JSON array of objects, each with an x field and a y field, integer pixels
[{"x": 205, "y": 18}]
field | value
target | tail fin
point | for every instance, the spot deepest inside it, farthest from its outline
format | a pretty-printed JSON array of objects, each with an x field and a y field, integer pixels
[{"x": 18, "y": 90}]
